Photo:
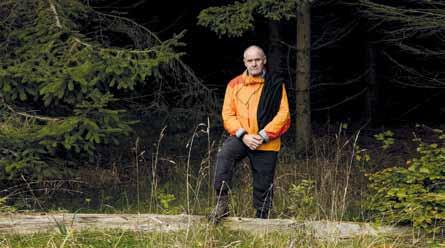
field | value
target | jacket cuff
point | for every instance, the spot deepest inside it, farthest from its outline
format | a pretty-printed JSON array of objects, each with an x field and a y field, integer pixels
[
  {"x": 240, "y": 133},
  {"x": 264, "y": 135}
]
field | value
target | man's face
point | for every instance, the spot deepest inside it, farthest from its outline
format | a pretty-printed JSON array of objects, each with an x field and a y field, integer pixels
[{"x": 254, "y": 60}]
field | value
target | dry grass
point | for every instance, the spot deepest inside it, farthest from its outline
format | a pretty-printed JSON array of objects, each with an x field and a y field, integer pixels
[
  {"x": 207, "y": 236},
  {"x": 158, "y": 181}
]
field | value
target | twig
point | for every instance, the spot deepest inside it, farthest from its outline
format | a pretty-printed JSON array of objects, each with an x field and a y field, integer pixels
[
  {"x": 32, "y": 191},
  {"x": 342, "y": 102},
  {"x": 351, "y": 81},
  {"x": 81, "y": 42},
  {"x": 56, "y": 15},
  {"x": 436, "y": 83},
  {"x": 32, "y": 116},
  {"x": 349, "y": 168},
  {"x": 335, "y": 36},
  {"x": 10, "y": 151}
]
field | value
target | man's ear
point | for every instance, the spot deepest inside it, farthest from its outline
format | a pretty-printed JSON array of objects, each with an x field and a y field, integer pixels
[{"x": 265, "y": 60}]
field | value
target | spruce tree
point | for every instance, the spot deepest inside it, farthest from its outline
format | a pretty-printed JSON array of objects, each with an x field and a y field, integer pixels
[{"x": 63, "y": 67}]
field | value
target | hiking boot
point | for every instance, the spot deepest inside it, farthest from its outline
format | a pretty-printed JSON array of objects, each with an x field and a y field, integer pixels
[
  {"x": 220, "y": 211},
  {"x": 262, "y": 213}
]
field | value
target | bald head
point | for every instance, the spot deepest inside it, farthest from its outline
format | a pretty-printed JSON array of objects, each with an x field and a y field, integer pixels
[
  {"x": 254, "y": 49},
  {"x": 254, "y": 60}
]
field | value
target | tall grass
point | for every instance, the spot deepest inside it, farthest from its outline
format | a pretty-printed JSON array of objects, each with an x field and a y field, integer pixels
[
  {"x": 328, "y": 185},
  {"x": 162, "y": 178}
]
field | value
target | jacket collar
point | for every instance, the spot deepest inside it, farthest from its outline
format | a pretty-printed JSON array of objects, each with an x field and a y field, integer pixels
[{"x": 248, "y": 79}]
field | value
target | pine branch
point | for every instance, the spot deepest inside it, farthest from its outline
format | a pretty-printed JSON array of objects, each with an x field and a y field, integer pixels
[
  {"x": 157, "y": 39},
  {"x": 132, "y": 22},
  {"x": 76, "y": 39}
]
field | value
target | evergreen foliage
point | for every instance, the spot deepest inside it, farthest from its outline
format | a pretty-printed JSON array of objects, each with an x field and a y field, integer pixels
[
  {"x": 236, "y": 18},
  {"x": 63, "y": 68}
]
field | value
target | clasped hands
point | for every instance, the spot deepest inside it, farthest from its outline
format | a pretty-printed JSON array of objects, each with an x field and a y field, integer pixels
[{"x": 253, "y": 141}]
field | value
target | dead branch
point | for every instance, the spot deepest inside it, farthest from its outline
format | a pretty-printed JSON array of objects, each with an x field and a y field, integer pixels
[
  {"x": 333, "y": 35},
  {"x": 56, "y": 15},
  {"x": 348, "y": 82},
  {"x": 24, "y": 114},
  {"x": 342, "y": 102},
  {"x": 436, "y": 83}
]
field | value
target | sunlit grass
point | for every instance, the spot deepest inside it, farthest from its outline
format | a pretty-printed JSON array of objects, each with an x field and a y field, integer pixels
[{"x": 197, "y": 236}]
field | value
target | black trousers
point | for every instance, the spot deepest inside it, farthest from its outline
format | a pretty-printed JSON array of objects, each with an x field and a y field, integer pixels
[{"x": 262, "y": 164}]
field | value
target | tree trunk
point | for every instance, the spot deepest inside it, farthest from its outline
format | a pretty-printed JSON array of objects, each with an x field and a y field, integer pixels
[
  {"x": 372, "y": 84},
  {"x": 302, "y": 86},
  {"x": 275, "y": 54},
  {"x": 47, "y": 222}
]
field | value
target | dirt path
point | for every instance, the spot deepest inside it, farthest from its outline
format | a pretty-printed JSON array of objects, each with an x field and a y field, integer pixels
[{"x": 31, "y": 223}]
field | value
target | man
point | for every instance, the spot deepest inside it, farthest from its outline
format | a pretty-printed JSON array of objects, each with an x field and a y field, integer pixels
[{"x": 255, "y": 114}]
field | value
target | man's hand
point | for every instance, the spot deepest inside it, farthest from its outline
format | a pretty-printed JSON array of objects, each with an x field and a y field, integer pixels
[{"x": 253, "y": 141}]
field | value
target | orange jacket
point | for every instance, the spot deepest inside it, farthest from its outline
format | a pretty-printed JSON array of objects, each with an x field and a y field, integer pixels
[{"x": 239, "y": 111}]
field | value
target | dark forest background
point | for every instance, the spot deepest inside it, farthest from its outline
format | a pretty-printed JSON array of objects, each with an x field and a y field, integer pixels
[{"x": 216, "y": 59}]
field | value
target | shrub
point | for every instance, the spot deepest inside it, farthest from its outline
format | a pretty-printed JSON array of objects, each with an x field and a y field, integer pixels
[
  {"x": 414, "y": 194},
  {"x": 301, "y": 199}
]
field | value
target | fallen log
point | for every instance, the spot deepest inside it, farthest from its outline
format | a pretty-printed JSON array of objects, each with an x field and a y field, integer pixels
[{"x": 49, "y": 222}]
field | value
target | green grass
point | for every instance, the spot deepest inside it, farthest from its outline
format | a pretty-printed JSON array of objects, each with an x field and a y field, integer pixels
[{"x": 198, "y": 236}]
